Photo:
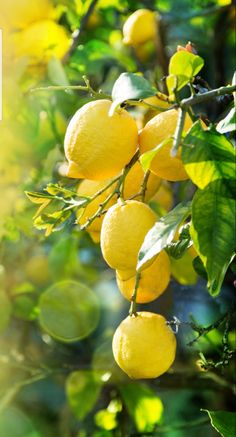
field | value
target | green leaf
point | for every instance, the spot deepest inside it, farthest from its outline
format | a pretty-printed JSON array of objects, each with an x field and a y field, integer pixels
[
  {"x": 213, "y": 231},
  {"x": 130, "y": 86},
  {"x": 207, "y": 156},
  {"x": 185, "y": 66},
  {"x": 147, "y": 157},
  {"x": 14, "y": 423},
  {"x": 106, "y": 419},
  {"x": 52, "y": 222},
  {"x": 199, "y": 267},
  {"x": 69, "y": 311},
  {"x": 5, "y": 310},
  {"x": 56, "y": 72},
  {"x": 83, "y": 388},
  {"x": 161, "y": 234},
  {"x": 35, "y": 197},
  {"x": 223, "y": 421},
  {"x": 228, "y": 124},
  {"x": 143, "y": 405}
]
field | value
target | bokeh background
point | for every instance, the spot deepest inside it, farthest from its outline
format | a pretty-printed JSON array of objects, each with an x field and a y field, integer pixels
[{"x": 49, "y": 387}]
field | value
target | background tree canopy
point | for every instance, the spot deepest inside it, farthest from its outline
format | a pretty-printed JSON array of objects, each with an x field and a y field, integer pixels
[{"x": 59, "y": 301}]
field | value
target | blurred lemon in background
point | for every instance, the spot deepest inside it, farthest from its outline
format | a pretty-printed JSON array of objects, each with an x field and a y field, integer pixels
[{"x": 140, "y": 27}]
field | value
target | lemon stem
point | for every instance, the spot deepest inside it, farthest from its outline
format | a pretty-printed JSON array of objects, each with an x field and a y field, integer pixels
[
  {"x": 178, "y": 132},
  {"x": 144, "y": 185},
  {"x": 132, "y": 311}
]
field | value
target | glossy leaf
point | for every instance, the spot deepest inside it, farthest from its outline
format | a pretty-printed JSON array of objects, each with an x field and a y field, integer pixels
[
  {"x": 143, "y": 405},
  {"x": 147, "y": 157},
  {"x": 207, "y": 156},
  {"x": 213, "y": 232},
  {"x": 223, "y": 421},
  {"x": 130, "y": 86},
  {"x": 161, "y": 234},
  {"x": 228, "y": 124},
  {"x": 183, "y": 67},
  {"x": 83, "y": 388},
  {"x": 69, "y": 311}
]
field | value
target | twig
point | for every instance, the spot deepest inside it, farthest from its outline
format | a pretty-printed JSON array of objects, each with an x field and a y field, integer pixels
[
  {"x": 199, "y": 98},
  {"x": 144, "y": 185},
  {"x": 86, "y": 88},
  {"x": 178, "y": 132},
  {"x": 132, "y": 311},
  {"x": 77, "y": 34}
]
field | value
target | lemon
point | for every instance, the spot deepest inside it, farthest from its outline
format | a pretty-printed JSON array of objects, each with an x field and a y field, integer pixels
[
  {"x": 157, "y": 130},
  {"x": 150, "y": 113},
  {"x": 19, "y": 14},
  {"x": 182, "y": 269},
  {"x": 41, "y": 41},
  {"x": 133, "y": 183},
  {"x": 153, "y": 281},
  {"x": 140, "y": 27},
  {"x": 164, "y": 196},
  {"x": 98, "y": 145},
  {"x": 89, "y": 188},
  {"x": 123, "y": 230},
  {"x": 37, "y": 269},
  {"x": 144, "y": 346}
]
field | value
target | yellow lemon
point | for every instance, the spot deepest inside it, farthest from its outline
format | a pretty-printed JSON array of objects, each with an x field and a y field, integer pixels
[
  {"x": 164, "y": 196},
  {"x": 150, "y": 113},
  {"x": 157, "y": 130},
  {"x": 140, "y": 27},
  {"x": 144, "y": 346},
  {"x": 19, "y": 14},
  {"x": 37, "y": 269},
  {"x": 134, "y": 179},
  {"x": 41, "y": 41},
  {"x": 89, "y": 188},
  {"x": 153, "y": 280},
  {"x": 123, "y": 231},
  {"x": 98, "y": 145},
  {"x": 182, "y": 268}
]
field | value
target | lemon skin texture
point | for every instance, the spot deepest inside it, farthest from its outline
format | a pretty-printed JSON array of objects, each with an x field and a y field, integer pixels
[
  {"x": 140, "y": 27},
  {"x": 19, "y": 14},
  {"x": 89, "y": 188},
  {"x": 144, "y": 346},
  {"x": 123, "y": 231},
  {"x": 41, "y": 41},
  {"x": 97, "y": 145},
  {"x": 157, "y": 130},
  {"x": 133, "y": 183},
  {"x": 153, "y": 280}
]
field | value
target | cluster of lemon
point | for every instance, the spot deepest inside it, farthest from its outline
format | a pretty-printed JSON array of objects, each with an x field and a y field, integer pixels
[
  {"x": 98, "y": 146},
  {"x": 32, "y": 31}
]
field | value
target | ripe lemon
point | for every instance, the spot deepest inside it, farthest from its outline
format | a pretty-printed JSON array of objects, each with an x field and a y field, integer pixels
[
  {"x": 37, "y": 269},
  {"x": 97, "y": 145},
  {"x": 41, "y": 41},
  {"x": 157, "y": 130},
  {"x": 133, "y": 182},
  {"x": 153, "y": 281},
  {"x": 144, "y": 346},
  {"x": 164, "y": 196},
  {"x": 150, "y": 113},
  {"x": 123, "y": 230},
  {"x": 182, "y": 268},
  {"x": 19, "y": 14},
  {"x": 89, "y": 188},
  {"x": 140, "y": 27}
]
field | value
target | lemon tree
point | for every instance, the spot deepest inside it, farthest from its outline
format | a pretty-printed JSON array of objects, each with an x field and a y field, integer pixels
[{"x": 119, "y": 130}]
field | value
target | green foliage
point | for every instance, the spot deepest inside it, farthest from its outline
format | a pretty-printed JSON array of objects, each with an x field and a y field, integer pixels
[
  {"x": 143, "y": 405},
  {"x": 5, "y": 310},
  {"x": 208, "y": 156},
  {"x": 228, "y": 124},
  {"x": 69, "y": 311},
  {"x": 83, "y": 389},
  {"x": 213, "y": 233},
  {"x": 161, "y": 234},
  {"x": 223, "y": 421},
  {"x": 131, "y": 86},
  {"x": 183, "y": 67}
]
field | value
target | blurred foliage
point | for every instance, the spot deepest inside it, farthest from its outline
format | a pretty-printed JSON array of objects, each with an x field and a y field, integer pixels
[{"x": 48, "y": 387}]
